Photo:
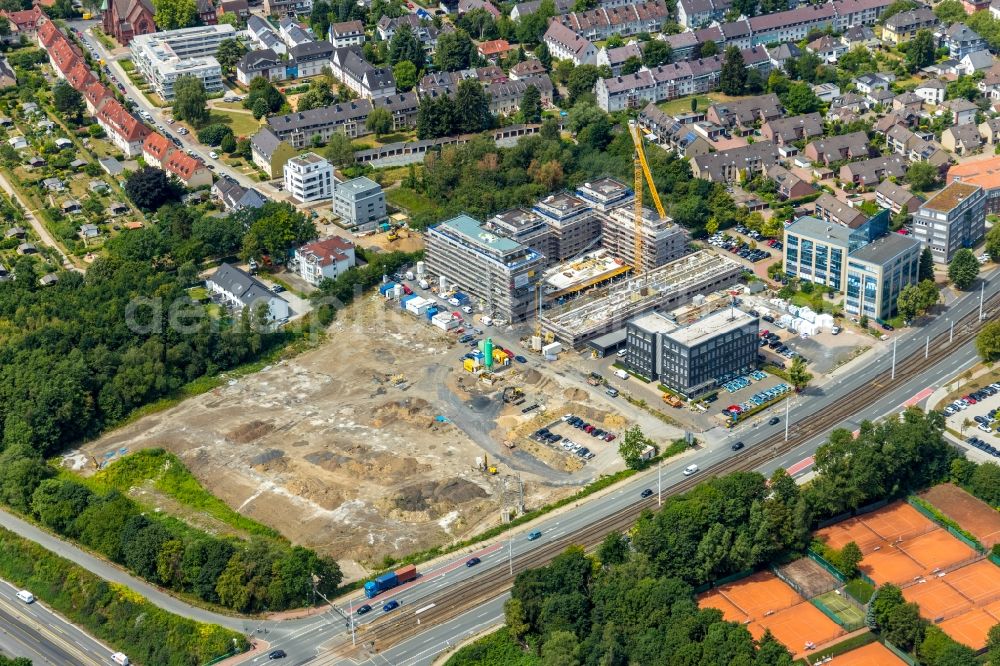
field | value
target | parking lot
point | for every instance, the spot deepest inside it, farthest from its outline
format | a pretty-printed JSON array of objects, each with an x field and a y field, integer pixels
[
  {"x": 743, "y": 394},
  {"x": 975, "y": 416},
  {"x": 576, "y": 436},
  {"x": 742, "y": 248}
]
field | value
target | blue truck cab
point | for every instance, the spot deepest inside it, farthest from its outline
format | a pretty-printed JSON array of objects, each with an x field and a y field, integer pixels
[{"x": 384, "y": 582}]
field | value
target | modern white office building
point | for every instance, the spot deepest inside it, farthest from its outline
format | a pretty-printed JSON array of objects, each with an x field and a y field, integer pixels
[
  {"x": 162, "y": 57},
  {"x": 359, "y": 201},
  {"x": 309, "y": 177}
]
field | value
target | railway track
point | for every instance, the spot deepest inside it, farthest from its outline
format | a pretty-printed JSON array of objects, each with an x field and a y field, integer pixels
[{"x": 465, "y": 595}]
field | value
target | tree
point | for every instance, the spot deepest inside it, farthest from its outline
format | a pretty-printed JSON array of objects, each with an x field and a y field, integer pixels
[
  {"x": 173, "y": 14},
  {"x": 922, "y": 176},
  {"x": 963, "y": 269},
  {"x": 904, "y": 626},
  {"x": 544, "y": 57},
  {"x": 926, "y": 271},
  {"x": 339, "y": 150},
  {"x": 993, "y": 644},
  {"x": 581, "y": 80},
  {"x": 531, "y": 105},
  {"x": 733, "y": 78},
  {"x": 148, "y": 188},
  {"x": 318, "y": 96},
  {"x": 67, "y": 101},
  {"x": 613, "y": 550},
  {"x": 985, "y": 483},
  {"x": 262, "y": 89},
  {"x": 656, "y": 52},
  {"x": 850, "y": 558},
  {"x": 190, "y": 101},
  {"x": 319, "y": 18},
  {"x": 707, "y": 49},
  {"x": 228, "y": 54},
  {"x": 212, "y": 135},
  {"x": 929, "y": 295},
  {"x": 474, "y": 103},
  {"x": 631, "y": 445},
  {"x": 454, "y": 51},
  {"x": 560, "y": 649},
  {"x": 908, "y": 302},
  {"x": 228, "y": 144},
  {"x": 993, "y": 243},
  {"x": 950, "y": 11},
  {"x": 404, "y": 46},
  {"x": 631, "y": 65},
  {"x": 988, "y": 342},
  {"x": 405, "y": 73},
  {"x": 379, "y": 121},
  {"x": 275, "y": 228},
  {"x": 259, "y": 108},
  {"x": 800, "y": 98},
  {"x": 920, "y": 50},
  {"x": 798, "y": 375}
]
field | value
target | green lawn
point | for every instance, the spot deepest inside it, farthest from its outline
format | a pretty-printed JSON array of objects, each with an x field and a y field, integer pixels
[
  {"x": 410, "y": 200},
  {"x": 242, "y": 124},
  {"x": 683, "y": 104}
]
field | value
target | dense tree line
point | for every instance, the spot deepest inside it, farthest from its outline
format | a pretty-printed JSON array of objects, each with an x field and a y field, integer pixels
[
  {"x": 481, "y": 179},
  {"x": 634, "y": 603},
  {"x": 900, "y": 623},
  {"x": 243, "y": 575}
]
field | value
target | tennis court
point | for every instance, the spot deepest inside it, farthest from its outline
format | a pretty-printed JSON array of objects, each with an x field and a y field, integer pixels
[
  {"x": 891, "y": 565},
  {"x": 763, "y": 601},
  {"x": 873, "y": 531},
  {"x": 979, "y": 581},
  {"x": 936, "y": 599},
  {"x": 848, "y": 616},
  {"x": 936, "y": 550},
  {"x": 972, "y": 514},
  {"x": 970, "y": 628},
  {"x": 873, "y": 654}
]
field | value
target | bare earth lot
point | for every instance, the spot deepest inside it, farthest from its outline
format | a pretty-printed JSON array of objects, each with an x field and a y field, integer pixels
[{"x": 353, "y": 449}]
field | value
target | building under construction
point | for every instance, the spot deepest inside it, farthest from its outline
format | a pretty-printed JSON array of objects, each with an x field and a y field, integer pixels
[
  {"x": 606, "y": 310},
  {"x": 662, "y": 240},
  {"x": 591, "y": 270}
]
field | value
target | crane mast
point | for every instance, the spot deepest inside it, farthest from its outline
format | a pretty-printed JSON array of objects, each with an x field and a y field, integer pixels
[{"x": 641, "y": 171}]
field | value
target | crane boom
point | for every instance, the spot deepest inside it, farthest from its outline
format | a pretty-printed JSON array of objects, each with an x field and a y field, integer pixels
[{"x": 641, "y": 170}]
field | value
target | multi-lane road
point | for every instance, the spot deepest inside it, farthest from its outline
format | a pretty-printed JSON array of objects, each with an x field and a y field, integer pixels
[{"x": 35, "y": 632}]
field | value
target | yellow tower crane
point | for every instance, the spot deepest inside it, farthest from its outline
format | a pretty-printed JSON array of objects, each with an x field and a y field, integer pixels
[{"x": 641, "y": 168}]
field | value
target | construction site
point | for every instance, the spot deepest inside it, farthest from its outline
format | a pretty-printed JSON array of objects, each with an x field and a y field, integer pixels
[
  {"x": 375, "y": 443},
  {"x": 607, "y": 309}
]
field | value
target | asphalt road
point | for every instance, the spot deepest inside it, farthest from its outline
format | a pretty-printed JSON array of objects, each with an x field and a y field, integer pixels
[
  {"x": 310, "y": 640},
  {"x": 189, "y": 142},
  {"x": 35, "y": 632}
]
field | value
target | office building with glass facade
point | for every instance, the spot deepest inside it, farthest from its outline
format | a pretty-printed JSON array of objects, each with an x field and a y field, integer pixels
[
  {"x": 877, "y": 272},
  {"x": 817, "y": 251}
]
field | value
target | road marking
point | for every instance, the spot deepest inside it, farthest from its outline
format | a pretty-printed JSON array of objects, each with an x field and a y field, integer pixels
[
  {"x": 923, "y": 395},
  {"x": 800, "y": 466}
]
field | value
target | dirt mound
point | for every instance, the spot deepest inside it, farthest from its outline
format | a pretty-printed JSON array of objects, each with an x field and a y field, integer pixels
[
  {"x": 575, "y": 394},
  {"x": 331, "y": 462},
  {"x": 431, "y": 494},
  {"x": 249, "y": 432},
  {"x": 531, "y": 376},
  {"x": 412, "y": 410}
]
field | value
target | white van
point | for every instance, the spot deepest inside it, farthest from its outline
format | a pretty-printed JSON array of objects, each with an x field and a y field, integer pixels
[
  {"x": 120, "y": 659},
  {"x": 26, "y": 597},
  {"x": 621, "y": 374},
  {"x": 690, "y": 469}
]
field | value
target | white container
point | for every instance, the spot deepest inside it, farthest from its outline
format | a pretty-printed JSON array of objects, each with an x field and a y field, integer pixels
[
  {"x": 424, "y": 284},
  {"x": 444, "y": 321},
  {"x": 442, "y": 284},
  {"x": 420, "y": 269},
  {"x": 409, "y": 275},
  {"x": 552, "y": 348}
]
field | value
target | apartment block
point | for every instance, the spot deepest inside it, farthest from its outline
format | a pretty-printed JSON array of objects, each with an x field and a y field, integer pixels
[
  {"x": 162, "y": 57},
  {"x": 952, "y": 219},
  {"x": 662, "y": 240},
  {"x": 877, "y": 272},
  {"x": 359, "y": 202},
  {"x": 499, "y": 272},
  {"x": 576, "y": 227},
  {"x": 309, "y": 177}
]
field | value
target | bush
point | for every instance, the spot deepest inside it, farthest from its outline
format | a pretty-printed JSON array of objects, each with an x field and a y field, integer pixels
[{"x": 213, "y": 135}]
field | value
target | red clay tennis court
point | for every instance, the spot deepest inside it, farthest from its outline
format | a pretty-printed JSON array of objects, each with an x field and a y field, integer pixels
[
  {"x": 970, "y": 628},
  {"x": 936, "y": 550},
  {"x": 891, "y": 565},
  {"x": 763, "y": 601},
  {"x": 972, "y": 514},
  {"x": 936, "y": 598},
  {"x": 979, "y": 581},
  {"x": 878, "y": 528},
  {"x": 873, "y": 654}
]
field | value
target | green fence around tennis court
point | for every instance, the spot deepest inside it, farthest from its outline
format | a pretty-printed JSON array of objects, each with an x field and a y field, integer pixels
[{"x": 847, "y": 624}]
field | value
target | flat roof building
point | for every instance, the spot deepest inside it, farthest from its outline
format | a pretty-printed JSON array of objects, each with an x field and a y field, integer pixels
[
  {"x": 952, "y": 219},
  {"x": 161, "y": 57},
  {"x": 662, "y": 240},
  {"x": 575, "y": 225},
  {"x": 500, "y": 273},
  {"x": 359, "y": 202},
  {"x": 309, "y": 177},
  {"x": 528, "y": 228},
  {"x": 580, "y": 274},
  {"x": 877, "y": 272},
  {"x": 606, "y": 193},
  {"x": 695, "y": 358}
]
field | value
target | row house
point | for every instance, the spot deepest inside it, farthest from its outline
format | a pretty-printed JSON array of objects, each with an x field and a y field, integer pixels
[
  {"x": 189, "y": 170},
  {"x": 685, "y": 138},
  {"x": 902, "y": 141},
  {"x": 896, "y": 198},
  {"x": 523, "y": 9},
  {"x": 347, "y": 33},
  {"x": 403, "y": 107},
  {"x": 25, "y": 23},
  {"x": 263, "y": 36},
  {"x": 529, "y": 67},
  {"x": 565, "y": 44},
  {"x": 696, "y": 13},
  {"x": 631, "y": 19},
  {"x": 736, "y": 164},
  {"x": 781, "y": 131},
  {"x": 875, "y": 170},
  {"x": 94, "y": 96},
  {"x": 425, "y": 32},
  {"x": 962, "y": 139},
  {"x": 838, "y": 148},
  {"x": 744, "y": 115},
  {"x": 505, "y": 97},
  {"x": 614, "y": 58},
  {"x": 155, "y": 150},
  {"x": 299, "y": 128},
  {"x": 126, "y": 131},
  {"x": 789, "y": 185},
  {"x": 831, "y": 209},
  {"x": 904, "y": 26},
  {"x": 309, "y": 59},
  {"x": 260, "y": 63},
  {"x": 367, "y": 81}
]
